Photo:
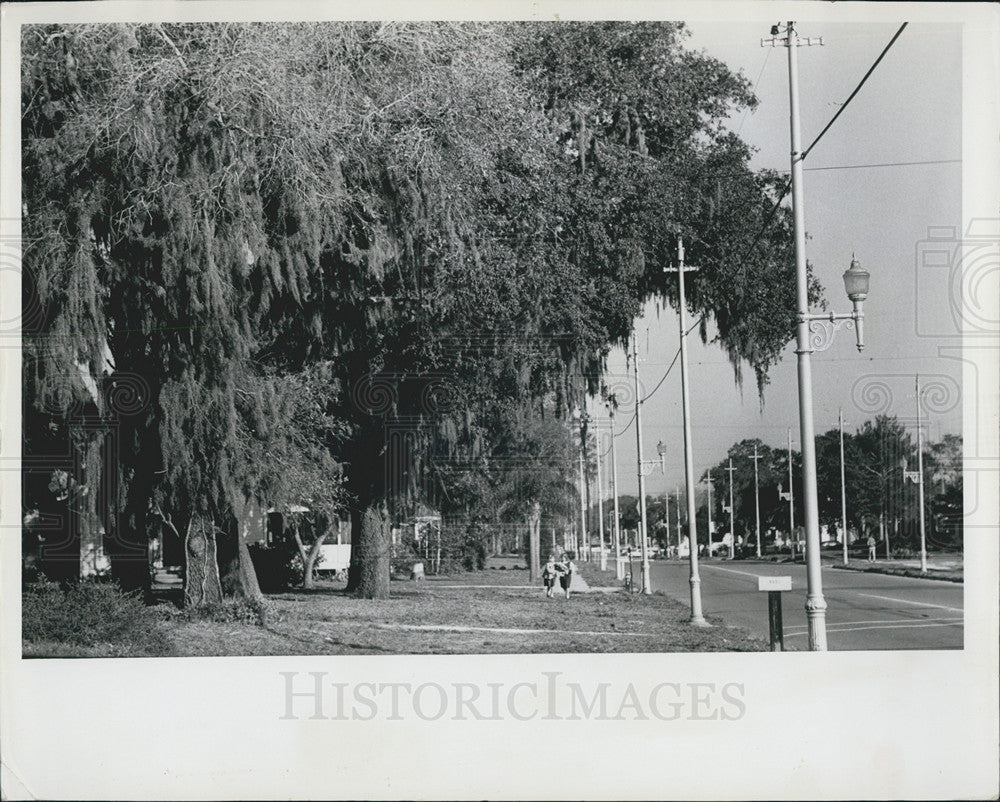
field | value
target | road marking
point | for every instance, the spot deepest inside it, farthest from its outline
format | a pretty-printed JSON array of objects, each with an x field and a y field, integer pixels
[
  {"x": 804, "y": 627},
  {"x": 733, "y": 571},
  {"x": 917, "y": 604},
  {"x": 859, "y": 629}
]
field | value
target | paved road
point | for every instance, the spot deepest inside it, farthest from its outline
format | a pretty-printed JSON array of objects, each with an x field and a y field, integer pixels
[{"x": 864, "y": 610}]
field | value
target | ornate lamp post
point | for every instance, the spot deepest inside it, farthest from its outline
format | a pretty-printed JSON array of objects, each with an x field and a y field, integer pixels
[{"x": 813, "y": 333}]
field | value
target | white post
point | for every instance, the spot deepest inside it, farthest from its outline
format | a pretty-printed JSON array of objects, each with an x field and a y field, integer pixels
[
  {"x": 619, "y": 568},
  {"x": 920, "y": 482},
  {"x": 843, "y": 485},
  {"x": 815, "y": 603},
  {"x": 641, "y": 534}
]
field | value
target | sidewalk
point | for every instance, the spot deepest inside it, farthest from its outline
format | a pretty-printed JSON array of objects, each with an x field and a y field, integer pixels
[{"x": 511, "y": 581}]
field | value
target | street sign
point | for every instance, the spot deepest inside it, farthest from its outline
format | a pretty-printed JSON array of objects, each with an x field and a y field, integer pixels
[{"x": 772, "y": 583}]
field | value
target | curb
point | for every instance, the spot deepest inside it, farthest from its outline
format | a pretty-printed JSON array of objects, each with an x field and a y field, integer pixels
[{"x": 906, "y": 572}]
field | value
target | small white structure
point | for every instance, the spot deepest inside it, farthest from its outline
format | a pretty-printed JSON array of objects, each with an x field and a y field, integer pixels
[{"x": 334, "y": 557}]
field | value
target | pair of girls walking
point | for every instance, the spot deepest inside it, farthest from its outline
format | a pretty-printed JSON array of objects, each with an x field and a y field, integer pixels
[{"x": 561, "y": 570}]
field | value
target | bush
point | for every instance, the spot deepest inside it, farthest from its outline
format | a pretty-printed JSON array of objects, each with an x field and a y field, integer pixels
[
  {"x": 231, "y": 611},
  {"x": 278, "y": 565},
  {"x": 90, "y": 614},
  {"x": 406, "y": 553}
]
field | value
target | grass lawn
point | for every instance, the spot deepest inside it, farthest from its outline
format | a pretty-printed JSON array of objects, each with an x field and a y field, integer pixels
[{"x": 487, "y": 612}]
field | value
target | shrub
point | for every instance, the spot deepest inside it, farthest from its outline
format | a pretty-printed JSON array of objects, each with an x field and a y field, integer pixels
[
  {"x": 404, "y": 556},
  {"x": 278, "y": 565},
  {"x": 232, "y": 611},
  {"x": 90, "y": 614}
]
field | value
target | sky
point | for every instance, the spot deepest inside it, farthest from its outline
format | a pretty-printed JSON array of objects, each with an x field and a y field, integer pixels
[{"x": 909, "y": 110}]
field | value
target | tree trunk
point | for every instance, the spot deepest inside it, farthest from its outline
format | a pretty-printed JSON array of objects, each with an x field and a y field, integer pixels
[
  {"x": 202, "y": 586},
  {"x": 239, "y": 578},
  {"x": 534, "y": 543},
  {"x": 128, "y": 476},
  {"x": 368, "y": 575},
  {"x": 308, "y": 556}
]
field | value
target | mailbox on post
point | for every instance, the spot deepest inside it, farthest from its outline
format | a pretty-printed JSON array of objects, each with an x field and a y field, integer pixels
[{"x": 775, "y": 585}]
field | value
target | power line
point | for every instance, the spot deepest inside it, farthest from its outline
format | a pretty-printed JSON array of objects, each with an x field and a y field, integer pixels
[
  {"x": 754, "y": 89},
  {"x": 855, "y": 92},
  {"x": 788, "y": 185},
  {"x": 881, "y": 164},
  {"x": 671, "y": 366}
]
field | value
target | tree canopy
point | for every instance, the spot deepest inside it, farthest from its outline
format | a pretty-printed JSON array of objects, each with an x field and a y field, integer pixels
[{"x": 301, "y": 240}]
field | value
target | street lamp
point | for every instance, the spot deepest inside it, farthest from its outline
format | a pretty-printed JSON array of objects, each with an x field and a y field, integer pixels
[
  {"x": 813, "y": 333},
  {"x": 822, "y": 328}
]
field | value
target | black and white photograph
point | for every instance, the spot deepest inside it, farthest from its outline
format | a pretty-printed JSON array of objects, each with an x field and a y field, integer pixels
[{"x": 535, "y": 402}]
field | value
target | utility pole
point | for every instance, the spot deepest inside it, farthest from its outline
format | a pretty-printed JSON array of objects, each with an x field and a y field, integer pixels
[
  {"x": 709, "y": 513},
  {"x": 644, "y": 552},
  {"x": 791, "y": 498},
  {"x": 815, "y": 603},
  {"x": 694, "y": 578},
  {"x": 918, "y": 477},
  {"x": 583, "y": 504},
  {"x": 843, "y": 485},
  {"x": 666, "y": 521},
  {"x": 677, "y": 500},
  {"x": 600, "y": 503},
  {"x": 756, "y": 495},
  {"x": 920, "y": 482},
  {"x": 619, "y": 568},
  {"x": 584, "y": 420},
  {"x": 732, "y": 514}
]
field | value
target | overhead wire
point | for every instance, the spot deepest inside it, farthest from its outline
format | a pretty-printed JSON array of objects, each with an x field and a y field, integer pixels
[
  {"x": 767, "y": 53},
  {"x": 788, "y": 184},
  {"x": 855, "y": 92},
  {"x": 784, "y": 192}
]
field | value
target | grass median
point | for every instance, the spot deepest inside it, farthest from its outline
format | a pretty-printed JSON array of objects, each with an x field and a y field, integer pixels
[{"x": 487, "y": 612}]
